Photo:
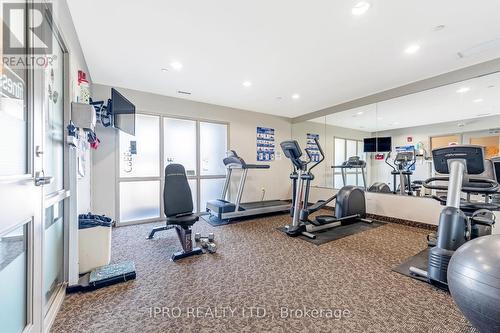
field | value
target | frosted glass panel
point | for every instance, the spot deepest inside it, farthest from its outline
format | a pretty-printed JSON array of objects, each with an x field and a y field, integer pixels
[
  {"x": 13, "y": 132},
  {"x": 338, "y": 181},
  {"x": 180, "y": 143},
  {"x": 54, "y": 122},
  {"x": 351, "y": 179},
  {"x": 53, "y": 251},
  {"x": 192, "y": 185},
  {"x": 139, "y": 200},
  {"x": 140, "y": 154},
  {"x": 213, "y": 147},
  {"x": 13, "y": 280},
  {"x": 339, "y": 152},
  {"x": 210, "y": 189},
  {"x": 351, "y": 148}
]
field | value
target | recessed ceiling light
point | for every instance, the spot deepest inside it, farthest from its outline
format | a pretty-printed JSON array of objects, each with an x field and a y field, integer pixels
[
  {"x": 478, "y": 100},
  {"x": 176, "y": 65},
  {"x": 463, "y": 90},
  {"x": 360, "y": 8},
  {"x": 247, "y": 83},
  {"x": 295, "y": 96},
  {"x": 360, "y": 113},
  {"x": 439, "y": 27},
  {"x": 411, "y": 49},
  {"x": 164, "y": 69}
]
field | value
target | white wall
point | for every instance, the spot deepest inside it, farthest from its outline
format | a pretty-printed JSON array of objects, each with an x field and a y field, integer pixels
[
  {"x": 242, "y": 138},
  {"x": 77, "y": 62}
]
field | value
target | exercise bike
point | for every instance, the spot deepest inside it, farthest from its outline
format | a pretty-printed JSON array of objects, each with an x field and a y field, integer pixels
[
  {"x": 350, "y": 205},
  {"x": 460, "y": 220}
]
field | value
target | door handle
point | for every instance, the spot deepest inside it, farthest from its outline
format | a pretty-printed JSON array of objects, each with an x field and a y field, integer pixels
[{"x": 41, "y": 179}]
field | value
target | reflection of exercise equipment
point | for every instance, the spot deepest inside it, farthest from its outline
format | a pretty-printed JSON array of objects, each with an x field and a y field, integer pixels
[
  {"x": 460, "y": 220},
  {"x": 401, "y": 167},
  {"x": 225, "y": 210},
  {"x": 474, "y": 282},
  {"x": 353, "y": 162},
  {"x": 349, "y": 201},
  {"x": 178, "y": 204}
]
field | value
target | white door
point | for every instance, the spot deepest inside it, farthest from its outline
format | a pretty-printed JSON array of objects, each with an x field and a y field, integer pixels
[{"x": 20, "y": 191}]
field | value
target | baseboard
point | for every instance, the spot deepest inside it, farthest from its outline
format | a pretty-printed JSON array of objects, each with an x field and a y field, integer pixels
[{"x": 402, "y": 221}]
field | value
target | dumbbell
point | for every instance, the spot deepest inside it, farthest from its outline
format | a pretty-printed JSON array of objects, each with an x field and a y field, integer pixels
[
  {"x": 211, "y": 247},
  {"x": 198, "y": 237}
]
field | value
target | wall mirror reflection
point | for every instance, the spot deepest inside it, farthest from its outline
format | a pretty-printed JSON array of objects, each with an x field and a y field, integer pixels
[{"x": 386, "y": 147}]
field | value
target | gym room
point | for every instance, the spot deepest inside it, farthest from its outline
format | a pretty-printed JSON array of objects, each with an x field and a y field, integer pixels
[{"x": 250, "y": 166}]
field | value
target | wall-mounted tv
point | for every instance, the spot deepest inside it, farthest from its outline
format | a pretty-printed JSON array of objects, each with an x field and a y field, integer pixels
[
  {"x": 384, "y": 144},
  {"x": 370, "y": 145},
  {"x": 123, "y": 112}
]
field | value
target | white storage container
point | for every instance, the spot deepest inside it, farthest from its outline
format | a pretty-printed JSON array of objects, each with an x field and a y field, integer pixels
[{"x": 94, "y": 244}]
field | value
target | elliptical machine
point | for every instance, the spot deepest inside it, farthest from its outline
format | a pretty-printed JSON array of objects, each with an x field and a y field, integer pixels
[
  {"x": 401, "y": 167},
  {"x": 350, "y": 203},
  {"x": 460, "y": 221}
]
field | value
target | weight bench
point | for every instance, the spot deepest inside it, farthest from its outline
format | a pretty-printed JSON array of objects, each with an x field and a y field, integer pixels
[{"x": 178, "y": 206}]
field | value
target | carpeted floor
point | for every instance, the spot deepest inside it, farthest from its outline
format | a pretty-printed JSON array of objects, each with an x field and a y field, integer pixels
[{"x": 259, "y": 277}]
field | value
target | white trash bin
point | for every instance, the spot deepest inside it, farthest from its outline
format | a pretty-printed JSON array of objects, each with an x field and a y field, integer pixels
[{"x": 94, "y": 242}]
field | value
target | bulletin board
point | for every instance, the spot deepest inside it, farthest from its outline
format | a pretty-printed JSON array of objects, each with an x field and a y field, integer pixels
[{"x": 265, "y": 144}]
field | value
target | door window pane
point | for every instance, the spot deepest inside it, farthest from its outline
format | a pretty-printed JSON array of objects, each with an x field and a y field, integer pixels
[
  {"x": 180, "y": 143},
  {"x": 213, "y": 147},
  {"x": 351, "y": 179},
  {"x": 339, "y": 152},
  {"x": 53, "y": 251},
  {"x": 13, "y": 112},
  {"x": 54, "y": 121},
  {"x": 139, "y": 200},
  {"x": 338, "y": 181},
  {"x": 210, "y": 189},
  {"x": 192, "y": 185},
  {"x": 13, "y": 280},
  {"x": 140, "y": 154},
  {"x": 351, "y": 148}
]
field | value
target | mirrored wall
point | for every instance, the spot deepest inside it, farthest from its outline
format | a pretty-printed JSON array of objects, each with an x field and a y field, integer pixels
[{"x": 388, "y": 145}]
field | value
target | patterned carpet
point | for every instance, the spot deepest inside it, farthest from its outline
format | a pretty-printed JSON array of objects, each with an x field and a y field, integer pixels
[{"x": 265, "y": 282}]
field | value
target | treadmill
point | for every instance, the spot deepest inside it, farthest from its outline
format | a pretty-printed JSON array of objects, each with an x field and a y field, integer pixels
[
  {"x": 354, "y": 162},
  {"x": 223, "y": 209}
]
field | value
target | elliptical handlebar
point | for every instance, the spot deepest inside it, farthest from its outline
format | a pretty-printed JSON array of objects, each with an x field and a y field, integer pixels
[{"x": 387, "y": 161}]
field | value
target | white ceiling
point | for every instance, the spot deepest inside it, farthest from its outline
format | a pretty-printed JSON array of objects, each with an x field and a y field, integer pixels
[
  {"x": 316, "y": 49},
  {"x": 433, "y": 106}
]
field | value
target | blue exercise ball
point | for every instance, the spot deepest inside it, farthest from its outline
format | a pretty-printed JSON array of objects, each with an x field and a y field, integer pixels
[{"x": 474, "y": 282}]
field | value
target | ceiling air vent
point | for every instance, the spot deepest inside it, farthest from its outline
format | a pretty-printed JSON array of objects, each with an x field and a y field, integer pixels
[{"x": 184, "y": 92}]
